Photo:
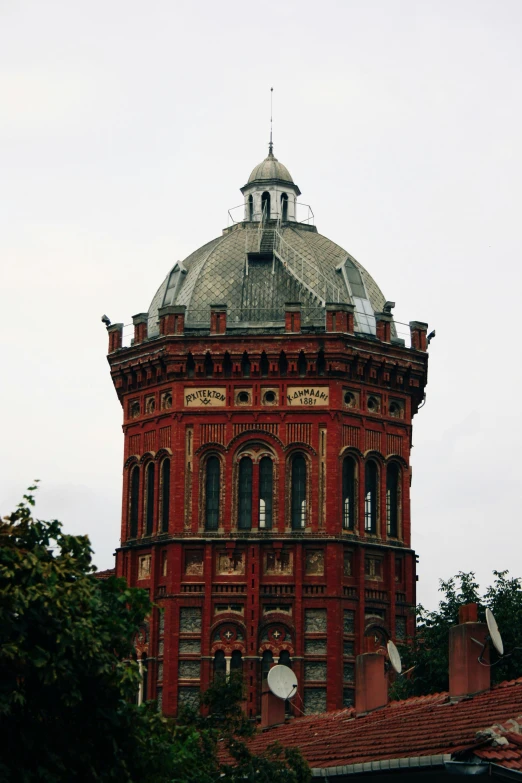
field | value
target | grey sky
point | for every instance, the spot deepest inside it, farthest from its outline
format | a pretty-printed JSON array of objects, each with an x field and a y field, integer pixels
[{"x": 126, "y": 130}]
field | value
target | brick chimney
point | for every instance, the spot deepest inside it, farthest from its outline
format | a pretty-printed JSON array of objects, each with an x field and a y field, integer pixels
[
  {"x": 172, "y": 319},
  {"x": 466, "y": 675},
  {"x": 218, "y": 318},
  {"x": 339, "y": 317},
  {"x": 292, "y": 316},
  {"x": 272, "y": 708},
  {"x": 418, "y": 330},
  {"x": 115, "y": 336},
  {"x": 371, "y": 682},
  {"x": 140, "y": 322}
]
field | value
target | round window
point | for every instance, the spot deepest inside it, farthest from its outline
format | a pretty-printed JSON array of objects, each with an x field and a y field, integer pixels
[
  {"x": 270, "y": 397},
  {"x": 373, "y": 405},
  {"x": 349, "y": 399},
  {"x": 394, "y": 409},
  {"x": 243, "y": 396}
]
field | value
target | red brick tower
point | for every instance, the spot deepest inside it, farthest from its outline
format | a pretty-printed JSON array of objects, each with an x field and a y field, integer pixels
[{"x": 267, "y": 411}]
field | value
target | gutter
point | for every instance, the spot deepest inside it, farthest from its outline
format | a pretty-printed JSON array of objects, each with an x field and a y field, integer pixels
[{"x": 385, "y": 765}]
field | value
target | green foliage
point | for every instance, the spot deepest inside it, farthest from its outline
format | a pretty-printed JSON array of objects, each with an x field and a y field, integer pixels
[
  {"x": 428, "y": 651},
  {"x": 68, "y": 678}
]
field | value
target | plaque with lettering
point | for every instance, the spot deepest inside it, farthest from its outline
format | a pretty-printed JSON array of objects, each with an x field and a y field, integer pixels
[
  {"x": 309, "y": 396},
  {"x": 206, "y": 397}
]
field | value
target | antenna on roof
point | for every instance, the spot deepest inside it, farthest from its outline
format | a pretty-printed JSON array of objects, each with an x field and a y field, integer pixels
[
  {"x": 271, "y": 146},
  {"x": 282, "y": 682}
]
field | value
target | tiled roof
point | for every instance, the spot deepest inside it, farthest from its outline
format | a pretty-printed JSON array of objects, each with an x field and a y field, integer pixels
[
  {"x": 105, "y": 574},
  {"x": 421, "y": 726}
]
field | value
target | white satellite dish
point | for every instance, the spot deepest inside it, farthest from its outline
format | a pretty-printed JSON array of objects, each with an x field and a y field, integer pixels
[
  {"x": 494, "y": 633},
  {"x": 395, "y": 658},
  {"x": 282, "y": 682}
]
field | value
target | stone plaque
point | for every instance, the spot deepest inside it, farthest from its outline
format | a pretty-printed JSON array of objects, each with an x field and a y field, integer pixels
[
  {"x": 308, "y": 396},
  {"x": 206, "y": 397}
]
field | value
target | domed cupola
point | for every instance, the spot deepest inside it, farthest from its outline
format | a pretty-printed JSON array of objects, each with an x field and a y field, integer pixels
[{"x": 270, "y": 193}]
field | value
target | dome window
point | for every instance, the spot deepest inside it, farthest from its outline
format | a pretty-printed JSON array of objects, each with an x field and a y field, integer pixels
[
  {"x": 250, "y": 207},
  {"x": 284, "y": 207},
  {"x": 265, "y": 206}
]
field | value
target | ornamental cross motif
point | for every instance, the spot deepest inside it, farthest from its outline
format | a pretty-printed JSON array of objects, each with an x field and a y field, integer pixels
[
  {"x": 276, "y": 634},
  {"x": 228, "y": 634}
]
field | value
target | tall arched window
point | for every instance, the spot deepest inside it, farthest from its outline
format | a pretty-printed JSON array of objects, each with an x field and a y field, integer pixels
[
  {"x": 370, "y": 497},
  {"x": 265, "y": 205},
  {"x": 284, "y": 207},
  {"x": 134, "y": 501},
  {"x": 266, "y": 663},
  {"x": 165, "y": 495},
  {"x": 266, "y": 481},
  {"x": 284, "y": 659},
  {"x": 298, "y": 492},
  {"x": 236, "y": 661},
  {"x": 392, "y": 499},
  {"x": 283, "y": 363},
  {"x": 208, "y": 365},
  {"x": 212, "y": 494},
  {"x": 245, "y": 494},
  {"x": 250, "y": 208},
  {"x": 302, "y": 364},
  {"x": 220, "y": 666},
  {"x": 263, "y": 365},
  {"x": 348, "y": 493},
  {"x": 149, "y": 499}
]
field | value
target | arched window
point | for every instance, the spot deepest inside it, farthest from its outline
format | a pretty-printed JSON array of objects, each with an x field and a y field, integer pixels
[
  {"x": 227, "y": 365},
  {"x": 245, "y": 365},
  {"x": 220, "y": 667},
  {"x": 348, "y": 493},
  {"x": 265, "y": 205},
  {"x": 392, "y": 499},
  {"x": 165, "y": 495},
  {"x": 283, "y": 363},
  {"x": 302, "y": 364},
  {"x": 265, "y": 493},
  {"x": 149, "y": 499},
  {"x": 191, "y": 366},
  {"x": 250, "y": 208},
  {"x": 321, "y": 363},
  {"x": 134, "y": 501},
  {"x": 284, "y": 659},
  {"x": 298, "y": 492},
  {"x": 284, "y": 207},
  {"x": 209, "y": 365},
  {"x": 370, "y": 497},
  {"x": 212, "y": 494},
  {"x": 266, "y": 663},
  {"x": 263, "y": 365},
  {"x": 236, "y": 662},
  {"x": 245, "y": 494}
]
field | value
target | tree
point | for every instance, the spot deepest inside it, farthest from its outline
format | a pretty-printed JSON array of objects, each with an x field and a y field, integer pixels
[
  {"x": 427, "y": 653},
  {"x": 68, "y": 679}
]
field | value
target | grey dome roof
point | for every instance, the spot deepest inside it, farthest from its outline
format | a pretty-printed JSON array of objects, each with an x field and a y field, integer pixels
[
  {"x": 216, "y": 273},
  {"x": 270, "y": 168}
]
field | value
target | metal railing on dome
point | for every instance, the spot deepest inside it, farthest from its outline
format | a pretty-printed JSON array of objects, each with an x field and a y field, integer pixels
[{"x": 251, "y": 316}]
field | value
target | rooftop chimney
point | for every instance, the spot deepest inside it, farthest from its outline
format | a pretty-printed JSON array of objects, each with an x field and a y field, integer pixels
[
  {"x": 272, "y": 708},
  {"x": 371, "y": 682},
  {"x": 466, "y": 640}
]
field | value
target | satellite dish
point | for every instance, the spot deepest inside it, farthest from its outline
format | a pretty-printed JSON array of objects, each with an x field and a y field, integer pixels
[
  {"x": 494, "y": 633},
  {"x": 282, "y": 682},
  {"x": 395, "y": 658}
]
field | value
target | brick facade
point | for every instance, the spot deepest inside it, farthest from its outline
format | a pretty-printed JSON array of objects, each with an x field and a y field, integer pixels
[{"x": 312, "y": 594}]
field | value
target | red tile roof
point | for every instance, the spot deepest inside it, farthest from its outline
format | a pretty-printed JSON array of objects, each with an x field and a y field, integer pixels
[
  {"x": 105, "y": 574},
  {"x": 421, "y": 726}
]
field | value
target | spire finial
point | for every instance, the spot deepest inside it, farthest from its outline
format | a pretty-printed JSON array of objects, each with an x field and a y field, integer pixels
[{"x": 271, "y": 146}]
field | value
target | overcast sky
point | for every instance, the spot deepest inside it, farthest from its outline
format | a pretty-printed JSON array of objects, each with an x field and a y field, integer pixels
[{"x": 126, "y": 131}]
